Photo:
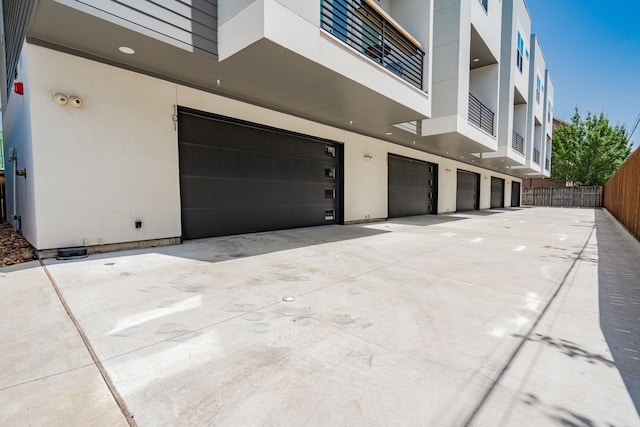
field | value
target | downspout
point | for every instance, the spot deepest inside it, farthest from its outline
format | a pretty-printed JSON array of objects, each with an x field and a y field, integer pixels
[{"x": 13, "y": 158}]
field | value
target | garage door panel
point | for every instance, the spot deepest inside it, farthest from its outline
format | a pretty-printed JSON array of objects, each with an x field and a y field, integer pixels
[
  {"x": 515, "y": 194},
  {"x": 412, "y": 187},
  {"x": 236, "y": 178},
  {"x": 497, "y": 192},
  {"x": 239, "y": 136},
  {"x": 242, "y": 164},
  {"x": 237, "y": 220},
  {"x": 209, "y": 192},
  {"x": 467, "y": 191}
]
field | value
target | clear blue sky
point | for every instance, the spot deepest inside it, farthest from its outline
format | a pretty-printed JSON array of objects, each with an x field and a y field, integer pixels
[{"x": 592, "y": 49}]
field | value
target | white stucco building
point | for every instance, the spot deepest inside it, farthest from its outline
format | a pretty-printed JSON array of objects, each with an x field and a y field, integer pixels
[{"x": 134, "y": 123}]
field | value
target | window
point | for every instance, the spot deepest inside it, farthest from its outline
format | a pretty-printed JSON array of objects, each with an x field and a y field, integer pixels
[
  {"x": 485, "y": 4},
  {"x": 537, "y": 89},
  {"x": 519, "y": 58},
  {"x": 549, "y": 113}
]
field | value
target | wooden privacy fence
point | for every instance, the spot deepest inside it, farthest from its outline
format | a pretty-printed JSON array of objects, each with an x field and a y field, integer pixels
[
  {"x": 583, "y": 197},
  {"x": 622, "y": 194}
]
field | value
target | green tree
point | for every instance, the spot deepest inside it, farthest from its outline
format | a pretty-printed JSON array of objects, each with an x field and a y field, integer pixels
[{"x": 588, "y": 151}]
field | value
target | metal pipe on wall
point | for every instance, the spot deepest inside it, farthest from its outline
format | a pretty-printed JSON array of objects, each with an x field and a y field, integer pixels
[{"x": 13, "y": 158}]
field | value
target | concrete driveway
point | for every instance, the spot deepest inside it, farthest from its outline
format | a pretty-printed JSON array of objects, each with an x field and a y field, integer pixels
[{"x": 523, "y": 317}]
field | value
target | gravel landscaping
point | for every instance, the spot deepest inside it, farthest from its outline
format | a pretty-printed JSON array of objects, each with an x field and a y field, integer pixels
[{"x": 14, "y": 249}]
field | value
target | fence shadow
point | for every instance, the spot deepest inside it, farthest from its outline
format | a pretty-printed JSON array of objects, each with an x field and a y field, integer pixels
[{"x": 619, "y": 298}]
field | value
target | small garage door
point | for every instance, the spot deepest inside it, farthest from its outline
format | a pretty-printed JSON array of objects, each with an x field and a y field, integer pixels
[
  {"x": 238, "y": 177},
  {"x": 412, "y": 187},
  {"x": 515, "y": 194},
  {"x": 497, "y": 192},
  {"x": 468, "y": 191}
]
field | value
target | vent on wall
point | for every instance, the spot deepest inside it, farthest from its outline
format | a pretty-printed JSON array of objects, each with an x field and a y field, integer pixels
[{"x": 72, "y": 253}]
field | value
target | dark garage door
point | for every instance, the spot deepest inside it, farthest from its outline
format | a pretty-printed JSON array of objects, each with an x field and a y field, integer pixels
[
  {"x": 497, "y": 192},
  {"x": 468, "y": 191},
  {"x": 515, "y": 194},
  {"x": 238, "y": 177},
  {"x": 412, "y": 187}
]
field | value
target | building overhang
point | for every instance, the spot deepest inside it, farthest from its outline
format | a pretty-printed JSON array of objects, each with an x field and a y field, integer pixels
[{"x": 264, "y": 73}]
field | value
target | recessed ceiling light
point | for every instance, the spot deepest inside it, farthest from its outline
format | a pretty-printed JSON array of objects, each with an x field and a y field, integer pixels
[
  {"x": 389, "y": 133},
  {"x": 476, "y": 59},
  {"x": 127, "y": 50}
]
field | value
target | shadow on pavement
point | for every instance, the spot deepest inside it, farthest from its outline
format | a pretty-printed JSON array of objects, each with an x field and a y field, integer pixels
[
  {"x": 225, "y": 248},
  {"x": 426, "y": 220},
  {"x": 619, "y": 298},
  {"x": 217, "y": 249},
  {"x": 560, "y": 416}
]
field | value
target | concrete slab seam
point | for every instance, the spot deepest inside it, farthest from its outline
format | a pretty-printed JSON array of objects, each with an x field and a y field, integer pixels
[
  {"x": 526, "y": 336},
  {"x": 45, "y": 377},
  {"x": 103, "y": 372}
]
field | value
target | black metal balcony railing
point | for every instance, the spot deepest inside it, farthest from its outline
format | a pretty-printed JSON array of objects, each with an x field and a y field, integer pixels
[
  {"x": 536, "y": 156},
  {"x": 480, "y": 115},
  {"x": 517, "y": 142},
  {"x": 547, "y": 164},
  {"x": 362, "y": 27}
]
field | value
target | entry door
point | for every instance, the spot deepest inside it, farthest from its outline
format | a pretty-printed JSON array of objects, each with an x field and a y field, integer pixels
[
  {"x": 238, "y": 177},
  {"x": 497, "y": 192},
  {"x": 515, "y": 194},
  {"x": 412, "y": 187},
  {"x": 468, "y": 191}
]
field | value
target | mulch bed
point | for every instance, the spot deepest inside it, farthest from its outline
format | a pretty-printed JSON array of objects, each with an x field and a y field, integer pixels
[{"x": 14, "y": 249}]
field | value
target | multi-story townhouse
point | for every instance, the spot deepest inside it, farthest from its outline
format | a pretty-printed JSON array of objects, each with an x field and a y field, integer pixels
[
  {"x": 548, "y": 124},
  {"x": 536, "y": 107},
  {"x": 539, "y": 129},
  {"x": 466, "y": 76},
  {"x": 151, "y": 122},
  {"x": 514, "y": 85}
]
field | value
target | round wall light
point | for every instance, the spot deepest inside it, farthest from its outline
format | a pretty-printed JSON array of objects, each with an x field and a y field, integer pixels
[
  {"x": 127, "y": 50},
  {"x": 75, "y": 102},
  {"x": 60, "y": 99}
]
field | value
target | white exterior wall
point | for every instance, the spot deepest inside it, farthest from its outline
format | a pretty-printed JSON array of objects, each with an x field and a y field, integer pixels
[
  {"x": 538, "y": 68},
  {"x": 450, "y": 53},
  {"x": 99, "y": 168},
  {"x": 452, "y": 77},
  {"x": 487, "y": 24},
  {"x": 522, "y": 25},
  {"x": 535, "y": 114},
  {"x": 515, "y": 19},
  {"x": 16, "y": 124},
  {"x": 94, "y": 171},
  {"x": 484, "y": 85},
  {"x": 549, "y": 93}
]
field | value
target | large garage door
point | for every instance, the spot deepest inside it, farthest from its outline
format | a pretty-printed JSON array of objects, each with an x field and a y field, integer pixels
[
  {"x": 412, "y": 187},
  {"x": 497, "y": 192},
  {"x": 515, "y": 193},
  {"x": 238, "y": 177},
  {"x": 468, "y": 191}
]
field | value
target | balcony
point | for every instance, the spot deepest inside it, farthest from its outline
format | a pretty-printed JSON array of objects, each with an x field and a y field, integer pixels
[
  {"x": 480, "y": 115},
  {"x": 536, "y": 156},
  {"x": 365, "y": 27},
  {"x": 517, "y": 142}
]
